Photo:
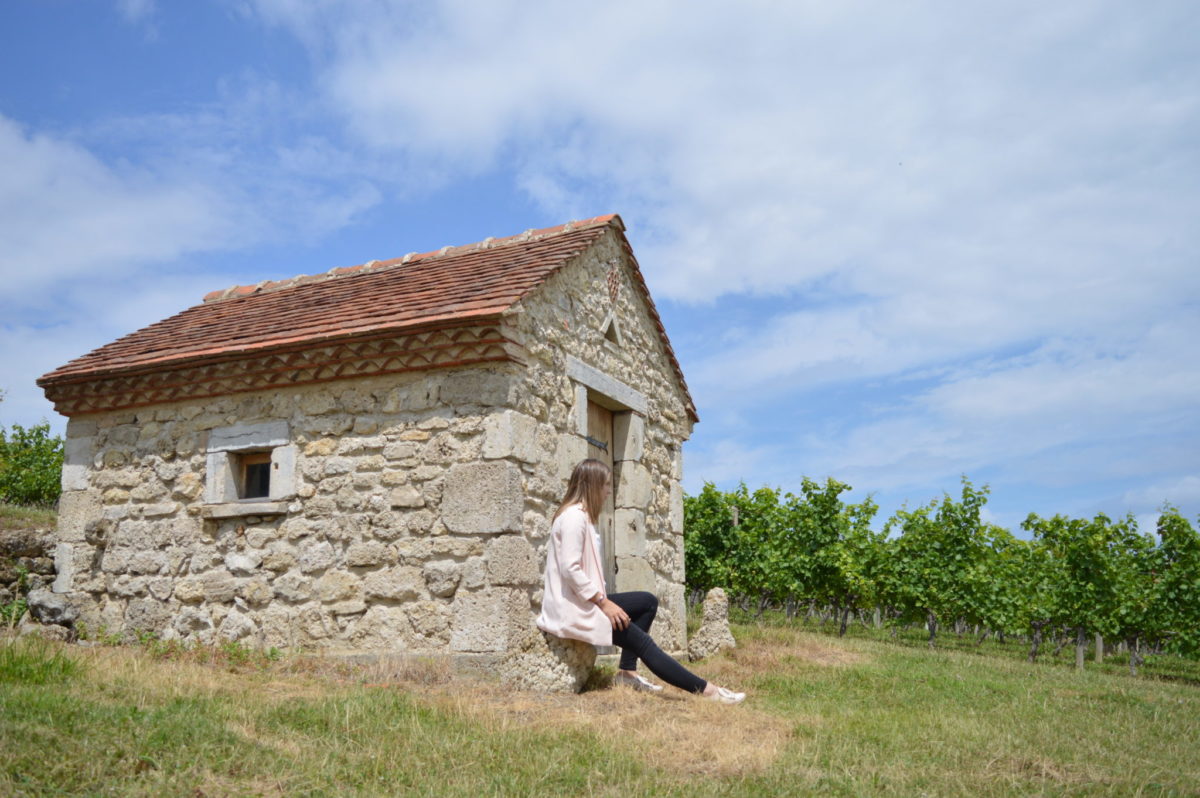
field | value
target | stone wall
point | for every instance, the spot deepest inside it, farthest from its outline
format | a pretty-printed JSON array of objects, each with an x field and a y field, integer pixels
[
  {"x": 565, "y": 319},
  {"x": 26, "y": 562},
  {"x": 414, "y": 512}
]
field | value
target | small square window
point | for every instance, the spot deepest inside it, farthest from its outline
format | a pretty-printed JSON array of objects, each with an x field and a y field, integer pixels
[
  {"x": 254, "y": 475},
  {"x": 250, "y": 463}
]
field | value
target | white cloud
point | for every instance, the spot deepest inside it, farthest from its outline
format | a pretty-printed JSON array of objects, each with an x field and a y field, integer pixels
[
  {"x": 136, "y": 11},
  {"x": 1181, "y": 491},
  {"x": 85, "y": 313},
  {"x": 989, "y": 211},
  {"x": 65, "y": 214},
  {"x": 96, "y": 247}
]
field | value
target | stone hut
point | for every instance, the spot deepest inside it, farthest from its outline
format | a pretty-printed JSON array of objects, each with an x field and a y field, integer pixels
[{"x": 367, "y": 460}]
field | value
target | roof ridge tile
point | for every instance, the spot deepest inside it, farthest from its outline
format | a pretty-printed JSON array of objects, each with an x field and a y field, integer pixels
[{"x": 532, "y": 234}]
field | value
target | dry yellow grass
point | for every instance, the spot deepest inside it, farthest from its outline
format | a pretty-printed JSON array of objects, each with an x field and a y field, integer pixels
[
  {"x": 824, "y": 715},
  {"x": 670, "y": 730}
]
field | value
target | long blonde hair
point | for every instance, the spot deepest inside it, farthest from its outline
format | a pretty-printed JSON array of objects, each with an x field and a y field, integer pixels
[{"x": 587, "y": 487}]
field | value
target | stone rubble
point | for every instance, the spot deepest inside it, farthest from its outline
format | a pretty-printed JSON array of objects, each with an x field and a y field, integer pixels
[{"x": 713, "y": 634}]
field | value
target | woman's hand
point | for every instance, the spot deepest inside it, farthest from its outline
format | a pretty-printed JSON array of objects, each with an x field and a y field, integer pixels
[{"x": 616, "y": 616}]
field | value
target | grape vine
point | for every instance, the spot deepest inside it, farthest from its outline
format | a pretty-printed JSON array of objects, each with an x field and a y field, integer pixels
[{"x": 943, "y": 566}]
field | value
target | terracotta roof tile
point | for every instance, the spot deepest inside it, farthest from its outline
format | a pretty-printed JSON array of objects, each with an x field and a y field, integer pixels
[{"x": 453, "y": 285}]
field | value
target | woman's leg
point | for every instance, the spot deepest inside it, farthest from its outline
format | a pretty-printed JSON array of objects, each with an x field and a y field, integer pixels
[
  {"x": 642, "y": 607},
  {"x": 633, "y": 639}
]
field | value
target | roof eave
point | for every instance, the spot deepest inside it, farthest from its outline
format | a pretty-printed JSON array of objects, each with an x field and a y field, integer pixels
[{"x": 168, "y": 363}]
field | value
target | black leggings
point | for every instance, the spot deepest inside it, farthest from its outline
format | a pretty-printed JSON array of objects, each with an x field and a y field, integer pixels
[{"x": 636, "y": 643}]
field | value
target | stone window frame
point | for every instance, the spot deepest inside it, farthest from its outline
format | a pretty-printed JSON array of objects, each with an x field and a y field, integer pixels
[{"x": 221, "y": 483}]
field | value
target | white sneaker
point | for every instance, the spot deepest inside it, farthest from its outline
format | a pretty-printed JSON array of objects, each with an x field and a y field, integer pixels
[
  {"x": 636, "y": 682},
  {"x": 724, "y": 696}
]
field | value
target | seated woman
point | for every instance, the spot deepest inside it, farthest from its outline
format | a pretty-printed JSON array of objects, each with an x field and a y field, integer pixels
[{"x": 576, "y": 605}]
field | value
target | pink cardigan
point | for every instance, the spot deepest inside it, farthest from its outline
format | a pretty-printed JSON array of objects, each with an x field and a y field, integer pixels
[{"x": 573, "y": 575}]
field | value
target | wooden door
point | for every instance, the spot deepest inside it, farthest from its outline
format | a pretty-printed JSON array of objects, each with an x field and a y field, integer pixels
[{"x": 600, "y": 446}]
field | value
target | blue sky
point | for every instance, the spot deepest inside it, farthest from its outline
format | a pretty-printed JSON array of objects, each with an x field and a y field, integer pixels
[{"x": 892, "y": 243}]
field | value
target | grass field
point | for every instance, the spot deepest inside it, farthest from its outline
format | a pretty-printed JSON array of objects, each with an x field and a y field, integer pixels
[
  {"x": 1162, "y": 667},
  {"x": 15, "y": 516},
  {"x": 825, "y": 716}
]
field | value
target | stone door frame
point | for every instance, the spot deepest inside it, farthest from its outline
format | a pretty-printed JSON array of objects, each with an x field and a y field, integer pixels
[{"x": 626, "y": 550}]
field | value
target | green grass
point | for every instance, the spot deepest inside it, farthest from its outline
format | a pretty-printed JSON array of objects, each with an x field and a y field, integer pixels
[
  {"x": 841, "y": 717},
  {"x": 15, "y": 516},
  {"x": 34, "y": 661},
  {"x": 1166, "y": 667}
]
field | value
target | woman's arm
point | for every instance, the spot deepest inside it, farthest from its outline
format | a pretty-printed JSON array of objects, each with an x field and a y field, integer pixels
[{"x": 573, "y": 537}]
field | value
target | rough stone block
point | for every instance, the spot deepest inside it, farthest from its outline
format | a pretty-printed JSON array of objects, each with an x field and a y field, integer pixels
[
  {"x": 194, "y": 622},
  {"x": 349, "y": 607},
  {"x": 675, "y": 514},
  {"x": 278, "y": 560},
  {"x": 259, "y": 538},
  {"x": 316, "y": 557},
  {"x": 430, "y": 620},
  {"x": 400, "y": 450},
  {"x": 338, "y": 586},
  {"x": 187, "y": 487},
  {"x": 483, "y": 498},
  {"x": 148, "y": 562},
  {"x": 290, "y": 587},
  {"x": 629, "y": 436},
  {"x": 511, "y": 560},
  {"x": 249, "y": 436},
  {"x": 160, "y": 588},
  {"x": 579, "y": 411},
  {"x": 48, "y": 607},
  {"x": 549, "y": 664},
  {"x": 283, "y": 473},
  {"x": 243, "y": 563},
  {"x": 77, "y": 460},
  {"x": 146, "y": 615},
  {"x": 634, "y": 573},
  {"x": 511, "y": 434},
  {"x": 125, "y": 585},
  {"x": 402, "y": 583},
  {"x": 322, "y": 447},
  {"x": 64, "y": 567},
  {"x": 218, "y": 587},
  {"x": 315, "y": 623},
  {"x": 409, "y": 398},
  {"x": 115, "y": 559},
  {"x": 278, "y": 624},
  {"x": 383, "y": 628},
  {"x": 189, "y": 590},
  {"x": 365, "y": 555},
  {"x": 256, "y": 592},
  {"x": 76, "y": 509},
  {"x": 571, "y": 450},
  {"x": 474, "y": 573},
  {"x": 236, "y": 626},
  {"x": 713, "y": 634},
  {"x": 359, "y": 444},
  {"x": 406, "y": 496},
  {"x": 160, "y": 510},
  {"x": 633, "y": 488},
  {"x": 487, "y": 388},
  {"x": 52, "y": 632},
  {"x": 442, "y": 577},
  {"x": 488, "y": 620},
  {"x": 629, "y": 532}
]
